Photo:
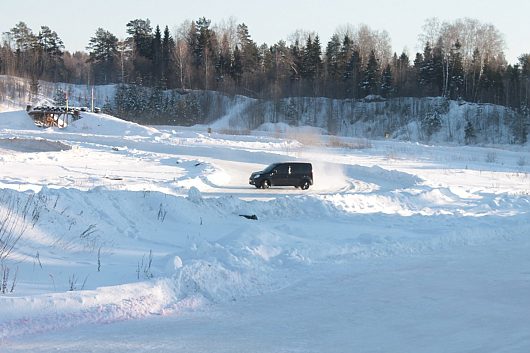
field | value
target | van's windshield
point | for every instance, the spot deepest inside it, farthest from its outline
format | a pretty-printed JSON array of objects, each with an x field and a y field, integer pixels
[{"x": 270, "y": 168}]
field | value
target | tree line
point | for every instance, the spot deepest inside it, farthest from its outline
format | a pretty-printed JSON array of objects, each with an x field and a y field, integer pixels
[{"x": 460, "y": 60}]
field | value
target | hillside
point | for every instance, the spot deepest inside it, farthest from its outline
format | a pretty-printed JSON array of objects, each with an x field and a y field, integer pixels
[{"x": 426, "y": 120}]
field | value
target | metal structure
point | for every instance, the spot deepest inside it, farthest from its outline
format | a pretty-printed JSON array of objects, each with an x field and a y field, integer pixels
[{"x": 46, "y": 116}]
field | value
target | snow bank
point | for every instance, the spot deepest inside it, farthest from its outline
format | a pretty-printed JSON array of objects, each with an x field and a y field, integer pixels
[
  {"x": 17, "y": 120},
  {"x": 89, "y": 123},
  {"x": 105, "y": 124}
]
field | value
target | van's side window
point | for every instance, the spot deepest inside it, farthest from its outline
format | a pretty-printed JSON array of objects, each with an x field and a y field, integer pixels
[{"x": 282, "y": 169}]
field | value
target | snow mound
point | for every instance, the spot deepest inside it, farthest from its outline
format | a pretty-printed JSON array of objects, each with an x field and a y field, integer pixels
[
  {"x": 105, "y": 124},
  {"x": 194, "y": 195},
  {"x": 16, "y": 120},
  {"x": 102, "y": 124}
]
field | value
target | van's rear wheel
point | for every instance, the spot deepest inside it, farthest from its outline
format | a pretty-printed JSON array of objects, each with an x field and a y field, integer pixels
[
  {"x": 266, "y": 184},
  {"x": 305, "y": 185}
]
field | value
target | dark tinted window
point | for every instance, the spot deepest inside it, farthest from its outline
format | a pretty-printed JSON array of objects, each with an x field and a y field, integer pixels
[
  {"x": 301, "y": 168},
  {"x": 282, "y": 168},
  {"x": 270, "y": 168}
]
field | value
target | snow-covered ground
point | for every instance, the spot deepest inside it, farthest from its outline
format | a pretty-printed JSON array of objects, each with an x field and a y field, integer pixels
[{"x": 132, "y": 240}]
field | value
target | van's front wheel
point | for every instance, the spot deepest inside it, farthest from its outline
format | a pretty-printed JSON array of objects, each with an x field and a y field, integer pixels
[{"x": 266, "y": 184}]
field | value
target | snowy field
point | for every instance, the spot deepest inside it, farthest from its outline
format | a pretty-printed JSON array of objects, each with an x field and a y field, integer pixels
[{"x": 131, "y": 240}]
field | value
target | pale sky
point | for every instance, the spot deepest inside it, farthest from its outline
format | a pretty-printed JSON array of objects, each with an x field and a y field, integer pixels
[{"x": 271, "y": 20}]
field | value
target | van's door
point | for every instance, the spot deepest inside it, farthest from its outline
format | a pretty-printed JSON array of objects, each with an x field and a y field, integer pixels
[{"x": 281, "y": 177}]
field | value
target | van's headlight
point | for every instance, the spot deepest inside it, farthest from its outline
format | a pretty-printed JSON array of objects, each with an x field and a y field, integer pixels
[{"x": 256, "y": 176}]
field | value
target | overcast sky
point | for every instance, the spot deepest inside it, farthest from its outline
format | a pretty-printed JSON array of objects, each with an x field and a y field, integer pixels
[{"x": 271, "y": 20}]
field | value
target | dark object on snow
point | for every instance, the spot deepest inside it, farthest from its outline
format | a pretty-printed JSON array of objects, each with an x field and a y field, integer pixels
[
  {"x": 113, "y": 178},
  {"x": 198, "y": 164},
  {"x": 295, "y": 174},
  {"x": 254, "y": 217}
]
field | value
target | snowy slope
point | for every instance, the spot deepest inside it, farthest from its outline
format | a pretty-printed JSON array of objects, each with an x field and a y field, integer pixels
[
  {"x": 404, "y": 118},
  {"x": 397, "y": 247}
]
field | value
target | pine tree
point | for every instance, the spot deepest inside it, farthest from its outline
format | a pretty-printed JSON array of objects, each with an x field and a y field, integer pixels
[
  {"x": 312, "y": 61},
  {"x": 203, "y": 53},
  {"x": 204, "y": 35},
  {"x": 26, "y": 54},
  {"x": 23, "y": 36},
  {"x": 418, "y": 83},
  {"x": 51, "y": 52},
  {"x": 431, "y": 123},
  {"x": 456, "y": 74},
  {"x": 307, "y": 70},
  {"x": 168, "y": 60},
  {"x": 332, "y": 58},
  {"x": 512, "y": 78},
  {"x": 141, "y": 37},
  {"x": 487, "y": 83},
  {"x": 248, "y": 48},
  {"x": 353, "y": 75},
  {"x": 103, "y": 48},
  {"x": 222, "y": 66},
  {"x": 426, "y": 72},
  {"x": 156, "y": 104},
  {"x": 107, "y": 106},
  {"x": 317, "y": 64},
  {"x": 296, "y": 55},
  {"x": 59, "y": 97},
  {"x": 474, "y": 74},
  {"x": 387, "y": 84},
  {"x": 237, "y": 66},
  {"x": 370, "y": 82},
  {"x": 345, "y": 54},
  {"x": 524, "y": 61},
  {"x": 438, "y": 67},
  {"x": 402, "y": 75},
  {"x": 157, "y": 68}
]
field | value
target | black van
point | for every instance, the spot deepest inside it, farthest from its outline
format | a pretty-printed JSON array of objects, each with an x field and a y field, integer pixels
[{"x": 283, "y": 174}]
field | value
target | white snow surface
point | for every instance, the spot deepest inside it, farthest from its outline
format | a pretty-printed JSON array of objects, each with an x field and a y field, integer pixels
[{"x": 131, "y": 239}]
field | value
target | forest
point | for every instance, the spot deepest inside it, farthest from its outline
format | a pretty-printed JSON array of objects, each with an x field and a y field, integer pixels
[{"x": 461, "y": 60}]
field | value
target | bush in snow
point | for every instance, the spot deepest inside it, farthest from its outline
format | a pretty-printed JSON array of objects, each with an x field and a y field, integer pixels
[
  {"x": 430, "y": 124},
  {"x": 5, "y": 287},
  {"x": 144, "y": 267},
  {"x": 59, "y": 97},
  {"x": 469, "y": 134},
  {"x": 15, "y": 215}
]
